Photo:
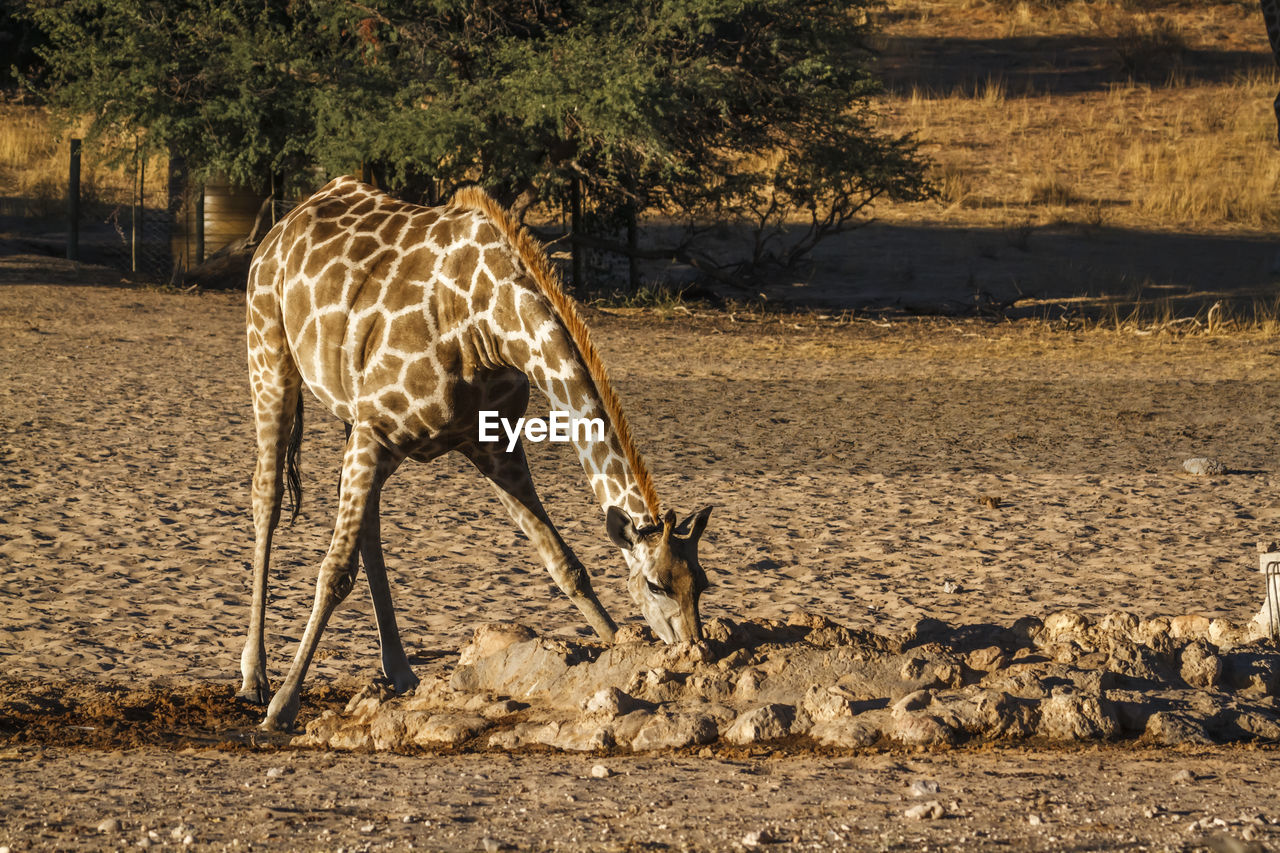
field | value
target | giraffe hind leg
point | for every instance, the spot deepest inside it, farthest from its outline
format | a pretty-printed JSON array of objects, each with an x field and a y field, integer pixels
[
  {"x": 277, "y": 413},
  {"x": 365, "y": 466}
]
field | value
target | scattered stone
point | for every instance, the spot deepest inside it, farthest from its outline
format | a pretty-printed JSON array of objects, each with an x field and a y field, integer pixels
[
  {"x": 611, "y": 702},
  {"x": 847, "y": 733},
  {"x": 921, "y": 730},
  {"x": 756, "y": 837},
  {"x": 494, "y": 637},
  {"x": 1201, "y": 667},
  {"x": 275, "y": 772},
  {"x": 664, "y": 731},
  {"x": 923, "y": 788},
  {"x": 491, "y": 845},
  {"x": 822, "y": 704},
  {"x": 1182, "y": 776},
  {"x": 1170, "y": 728},
  {"x": 1204, "y": 466},
  {"x": 442, "y": 729},
  {"x": 599, "y": 771},
  {"x": 1035, "y": 820},
  {"x": 769, "y": 722},
  {"x": 931, "y": 810},
  {"x": 109, "y": 825},
  {"x": 1075, "y": 716}
]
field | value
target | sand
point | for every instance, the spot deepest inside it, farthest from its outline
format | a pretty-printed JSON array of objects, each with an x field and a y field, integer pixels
[{"x": 846, "y": 460}]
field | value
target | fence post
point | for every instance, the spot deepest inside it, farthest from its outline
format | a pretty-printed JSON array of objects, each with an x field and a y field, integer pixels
[
  {"x": 200, "y": 224},
  {"x": 73, "y": 203}
]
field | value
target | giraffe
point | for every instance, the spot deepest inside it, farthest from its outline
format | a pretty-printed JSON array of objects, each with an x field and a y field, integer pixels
[
  {"x": 406, "y": 322},
  {"x": 1271, "y": 16}
]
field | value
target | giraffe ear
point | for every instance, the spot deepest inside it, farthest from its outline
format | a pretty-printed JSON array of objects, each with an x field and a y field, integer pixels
[
  {"x": 621, "y": 529},
  {"x": 692, "y": 527}
]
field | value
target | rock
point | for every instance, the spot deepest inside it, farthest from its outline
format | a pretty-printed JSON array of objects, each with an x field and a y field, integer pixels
[
  {"x": 579, "y": 736},
  {"x": 931, "y": 810},
  {"x": 920, "y": 730},
  {"x": 1120, "y": 622},
  {"x": 494, "y": 637},
  {"x": 1076, "y": 716},
  {"x": 915, "y": 701},
  {"x": 387, "y": 729},
  {"x": 425, "y": 729},
  {"x": 275, "y": 772},
  {"x": 1226, "y": 634},
  {"x": 1191, "y": 626},
  {"x": 109, "y": 825},
  {"x": 986, "y": 659},
  {"x": 668, "y": 731},
  {"x": 599, "y": 771},
  {"x": 748, "y": 685},
  {"x": 769, "y": 722},
  {"x": 1204, "y": 466},
  {"x": 351, "y": 736},
  {"x": 756, "y": 837},
  {"x": 1200, "y": 666},
  {"x": 491, "y": 845},
  {"x": 821, "y": 704},
  {"x": 845, "y": 732},
  {"x": 1064, "y": 624},
  {"x": 1182, "y": 777},
  {"x": 1170, "y": 728},
  {"x": 502, "y": 708},
  {"x": 610, "y": 702},
  {"x": 923, "y": 788}
]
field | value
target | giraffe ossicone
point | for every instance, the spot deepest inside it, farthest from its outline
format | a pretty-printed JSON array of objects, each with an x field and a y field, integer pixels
[{"x": 407, "y": 323}]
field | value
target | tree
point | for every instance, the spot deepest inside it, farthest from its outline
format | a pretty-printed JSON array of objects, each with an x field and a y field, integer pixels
[{"x": 757, "y": 112}]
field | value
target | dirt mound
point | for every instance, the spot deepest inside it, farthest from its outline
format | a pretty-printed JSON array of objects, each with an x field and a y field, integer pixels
[{"x": 1066, "y": 678}]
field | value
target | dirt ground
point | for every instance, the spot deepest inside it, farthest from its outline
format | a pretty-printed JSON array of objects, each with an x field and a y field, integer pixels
[{"x": 847, "y": 461}]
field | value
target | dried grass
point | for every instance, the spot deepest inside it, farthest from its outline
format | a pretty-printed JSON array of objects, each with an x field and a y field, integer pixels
[{"x": 34, "y": 168}]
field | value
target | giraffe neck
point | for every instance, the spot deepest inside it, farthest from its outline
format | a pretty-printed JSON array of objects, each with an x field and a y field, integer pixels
[
  {"x": 557, "y": 368},
  {"x": 536, "y": 328}
]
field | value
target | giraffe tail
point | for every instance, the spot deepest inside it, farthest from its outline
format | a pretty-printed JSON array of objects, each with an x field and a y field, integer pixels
[{"x": 293, "y": 476}]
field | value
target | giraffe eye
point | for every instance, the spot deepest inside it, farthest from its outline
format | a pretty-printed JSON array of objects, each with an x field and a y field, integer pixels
[{"x": 657, "y": 590}]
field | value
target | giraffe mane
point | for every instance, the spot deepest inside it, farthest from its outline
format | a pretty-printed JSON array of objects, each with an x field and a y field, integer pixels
[{"x": 534, "y": 257}]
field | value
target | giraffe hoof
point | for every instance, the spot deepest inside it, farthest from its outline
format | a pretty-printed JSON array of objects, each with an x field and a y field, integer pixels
[{"x": 254, "y": 695}]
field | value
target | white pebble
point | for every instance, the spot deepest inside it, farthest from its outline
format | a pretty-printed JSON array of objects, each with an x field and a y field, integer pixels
[
  {"x": 1183, "y": 775},
  {"x": 490, "y": 845},
  {"x": 367, "y": 828},
  {"x": 755, "y": 838},
  {"x": 599, "y": 771},
  {"x": 931, "y": 810},
  {"x": 923, "y": 787},
  {"x": 1034, "y": 819},
  {"x": 109, "y": 824},
  {"x": 275, "y": 772},
  {"x": 1202, "y": 466}
]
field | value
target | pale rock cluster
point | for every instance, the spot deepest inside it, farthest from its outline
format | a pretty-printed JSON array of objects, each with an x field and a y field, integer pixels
[{"x": 1068, "y": 677}]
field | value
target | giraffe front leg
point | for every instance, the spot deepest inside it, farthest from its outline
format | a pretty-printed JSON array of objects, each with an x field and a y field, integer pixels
[
  {"x": 509, "y": 473},
  {"x": 395, "y": 664},
  {"x": 365, "y": 466}
]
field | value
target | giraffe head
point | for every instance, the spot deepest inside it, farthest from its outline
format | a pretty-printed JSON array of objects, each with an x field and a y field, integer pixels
[{"x": 666, "y": 579}]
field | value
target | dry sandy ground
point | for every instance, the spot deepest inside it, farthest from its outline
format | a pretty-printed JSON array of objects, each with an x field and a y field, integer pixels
[{"x": 846, "y": 463}]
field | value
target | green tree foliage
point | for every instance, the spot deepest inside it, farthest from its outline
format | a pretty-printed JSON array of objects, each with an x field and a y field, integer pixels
[{"x": 754, "y": 111}]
